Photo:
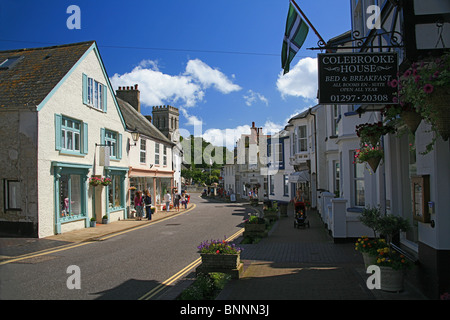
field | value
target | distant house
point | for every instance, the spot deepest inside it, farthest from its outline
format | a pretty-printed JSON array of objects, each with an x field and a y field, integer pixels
[{"x": 60, "y": 124}]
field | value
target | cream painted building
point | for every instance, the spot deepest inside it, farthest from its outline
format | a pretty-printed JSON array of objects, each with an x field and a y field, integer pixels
[{"x": 61, "y": 125}]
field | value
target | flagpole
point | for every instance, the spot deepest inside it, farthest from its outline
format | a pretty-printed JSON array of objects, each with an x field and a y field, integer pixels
[{"x": 307, "y": 20}]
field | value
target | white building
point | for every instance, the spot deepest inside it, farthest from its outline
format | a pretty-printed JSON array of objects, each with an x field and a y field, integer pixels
[{"x": 58, "y": 111}]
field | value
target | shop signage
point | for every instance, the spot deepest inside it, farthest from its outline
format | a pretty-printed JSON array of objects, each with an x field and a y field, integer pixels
[{"x": 357, "y": 78}]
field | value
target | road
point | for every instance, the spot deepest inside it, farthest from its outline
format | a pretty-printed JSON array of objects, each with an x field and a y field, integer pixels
[{"x": 129, "y": 266}]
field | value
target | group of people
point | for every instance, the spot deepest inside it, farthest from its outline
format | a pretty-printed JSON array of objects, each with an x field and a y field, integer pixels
[{"x": 143, "y": 202}]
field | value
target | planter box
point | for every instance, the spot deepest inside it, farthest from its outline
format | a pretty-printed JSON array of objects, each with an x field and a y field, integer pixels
[
  {"x": 271, "y": 215},
  {"x": 255, "y": 230},
  {"x": 391, "y": 280},
  {"x": 225, "y": 263}
]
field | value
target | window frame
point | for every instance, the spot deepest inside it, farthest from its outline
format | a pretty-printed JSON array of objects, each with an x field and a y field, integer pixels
[{"x": 7, "y": 184}]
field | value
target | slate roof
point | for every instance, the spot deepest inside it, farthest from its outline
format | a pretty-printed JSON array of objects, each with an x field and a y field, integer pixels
[
  {"x": 31, "y": 79},
  {"x": 134, "y": 120}
]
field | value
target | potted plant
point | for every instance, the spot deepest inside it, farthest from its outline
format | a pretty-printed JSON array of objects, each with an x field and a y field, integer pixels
[
  {"x": 402, "y": 113},
  {"x": 371, "y": 155},
  {"x": 95, "y": 181},
  {"x": 370, "y": 133},
  {"x": 271, "y": 213},
  {"x": 93, "y": 222},
  {"x": 254, "y": 226},
  {"x": 369, "y": 248},
  {"x": 220, "y": 256},
  {"x": 392, "y": 266},
  {"x": 105, "y": 219}
]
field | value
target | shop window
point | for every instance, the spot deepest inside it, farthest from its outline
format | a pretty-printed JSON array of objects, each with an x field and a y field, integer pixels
[
  {"x": 115, "y": 190},
  {"x": 70, "y": 190}
]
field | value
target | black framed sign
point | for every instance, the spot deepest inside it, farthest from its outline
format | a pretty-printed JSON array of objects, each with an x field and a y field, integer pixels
[{"x": 357, "y": 78}]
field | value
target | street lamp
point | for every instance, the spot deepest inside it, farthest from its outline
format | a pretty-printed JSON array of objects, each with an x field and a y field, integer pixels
[{"x": 135, "y": 136}]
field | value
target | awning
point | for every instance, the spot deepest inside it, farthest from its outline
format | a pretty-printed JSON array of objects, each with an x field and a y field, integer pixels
[{"x": 299, "y": 176}]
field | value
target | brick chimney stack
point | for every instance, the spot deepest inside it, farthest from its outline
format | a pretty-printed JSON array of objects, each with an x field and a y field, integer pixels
[{"x": 131, "y": 95}]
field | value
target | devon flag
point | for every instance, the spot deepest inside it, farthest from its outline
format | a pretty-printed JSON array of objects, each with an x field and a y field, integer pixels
[{"x": 294, "y": 36}]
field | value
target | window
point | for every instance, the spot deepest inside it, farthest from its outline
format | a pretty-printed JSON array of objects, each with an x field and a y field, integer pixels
[
  {"x": 12, "y": 194},
  {"x": 10, "y": 62},
  {"x": 286, "y": 185},
  {"x": 157, "y": 153},
  {"x": 302, "y": 142},
  {"x": 271, "y": 185},
  {"x": 358, "y": 184},
  {"x": 114, "y": 141},
  {"x": 94, "y": 93},
  {"x": 69, "y": 195},
  {"x": 143, "y": 152},
  {"x": 336, "y": 178},
  {"x": 114, "y": 193},
  {"x": 165, "y": 156},
  {"x": 336, "y": 118},
  {"x": 71, "y": 135}
]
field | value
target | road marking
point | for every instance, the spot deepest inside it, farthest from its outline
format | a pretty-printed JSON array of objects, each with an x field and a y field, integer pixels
[
  {"x": 72, "y": 245},
  {"x": 181, "y": 273}
]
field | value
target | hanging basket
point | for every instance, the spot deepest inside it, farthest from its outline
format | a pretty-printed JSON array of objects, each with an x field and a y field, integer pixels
[
  {"x": 374, "y": 162},
  {"x": 439, "y": 101},
  {"x": 412, "y": 119}
]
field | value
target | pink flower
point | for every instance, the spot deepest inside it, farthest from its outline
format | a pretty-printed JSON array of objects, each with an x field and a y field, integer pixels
[
  {"x": 428, "y": 88},
  {"x": 407, "y": 73}
]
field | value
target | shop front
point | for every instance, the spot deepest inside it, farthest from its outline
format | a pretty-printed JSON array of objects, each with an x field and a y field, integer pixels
[{"x": 158, "y": 183}]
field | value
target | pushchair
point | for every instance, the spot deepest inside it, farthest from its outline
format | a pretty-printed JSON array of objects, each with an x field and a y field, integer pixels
[{"x": 300, "y": 219}]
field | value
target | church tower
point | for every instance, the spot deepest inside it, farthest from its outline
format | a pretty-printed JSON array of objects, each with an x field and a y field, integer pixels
[{"x": 166, "y": 119}]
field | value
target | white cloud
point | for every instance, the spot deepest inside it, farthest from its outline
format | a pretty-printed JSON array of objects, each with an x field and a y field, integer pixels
[
  {"x": 208, "y": 76},
  {"x": 252, "y": 96},
  {"x": 301, "y": 81},
  {"x": 186, "y": 89},
  {"x": 228, "y": 137}
]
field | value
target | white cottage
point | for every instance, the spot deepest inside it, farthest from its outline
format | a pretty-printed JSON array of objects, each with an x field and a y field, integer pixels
[{"x": 60, "y": 126}]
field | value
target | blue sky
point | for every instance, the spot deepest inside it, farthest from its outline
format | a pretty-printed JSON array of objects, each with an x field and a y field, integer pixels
[{"x": 217, "y": 61}]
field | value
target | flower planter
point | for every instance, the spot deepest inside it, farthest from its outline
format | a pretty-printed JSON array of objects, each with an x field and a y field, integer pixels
[
  {"x": 374, "y": 162},
  {"x": 412, "y": 119},
  {"x": 440, "y": 104},
  {"x": 224, "y": 263},
  {"x": 92, "y": 224},
  {"x": 255, "y": 230},
  {"x": 391, "y": 280},
  {"x": 368, "y": 258}
]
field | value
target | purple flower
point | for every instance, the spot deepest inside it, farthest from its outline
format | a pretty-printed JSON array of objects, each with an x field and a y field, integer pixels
[{"x": 428, "y": 88}]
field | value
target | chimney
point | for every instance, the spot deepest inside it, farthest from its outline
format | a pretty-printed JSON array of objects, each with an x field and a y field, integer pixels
[{"x": 131, "y": 95}]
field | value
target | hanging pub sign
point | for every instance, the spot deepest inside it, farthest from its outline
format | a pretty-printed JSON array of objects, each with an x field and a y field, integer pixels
[{"x": 357, "y": 78}]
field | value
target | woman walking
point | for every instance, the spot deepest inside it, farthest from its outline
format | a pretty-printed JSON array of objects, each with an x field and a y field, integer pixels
[{"x": 138, "y": 205}]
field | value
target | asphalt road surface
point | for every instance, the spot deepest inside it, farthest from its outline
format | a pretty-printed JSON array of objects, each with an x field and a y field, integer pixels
[{"x": 128, "y": 266}]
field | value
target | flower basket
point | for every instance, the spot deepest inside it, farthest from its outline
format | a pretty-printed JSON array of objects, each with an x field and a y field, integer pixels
[
  {"x": 95, "y": 181},
  {"x": 371, "y": 155},
  {"x": 412, "y": 119},
  {"x": 370, "y": 133},
  {"x": 439, "y": 102},
  {"x": 106, "y": 181},
  {"x": 374, "y": 162}
]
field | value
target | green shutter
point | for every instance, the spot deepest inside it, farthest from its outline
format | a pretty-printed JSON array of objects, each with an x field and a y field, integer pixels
[
  {"x": 85, "y": 138},
  {"x": 105, "y": 98},
  {"x": 58, "y": 120},
  {"x": 85, "y": 88},
  {"x": 119, "y": 146},
  {"x": 102, "y": 136}
]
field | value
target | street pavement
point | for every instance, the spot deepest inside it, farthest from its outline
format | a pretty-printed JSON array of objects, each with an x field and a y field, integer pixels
[
  {"x": 289, "y": 264},
  {"x": 305, "y": 264}
]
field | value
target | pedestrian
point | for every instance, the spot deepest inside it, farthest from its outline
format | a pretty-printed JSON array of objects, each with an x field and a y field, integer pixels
[
  {"x": 176, "y": 201},
  {"x": 183, "y": 200},
  {"x": 138, "y": 205},
  {"x": 148, "y": 204},
  {"x": 167, "y": 199}
]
